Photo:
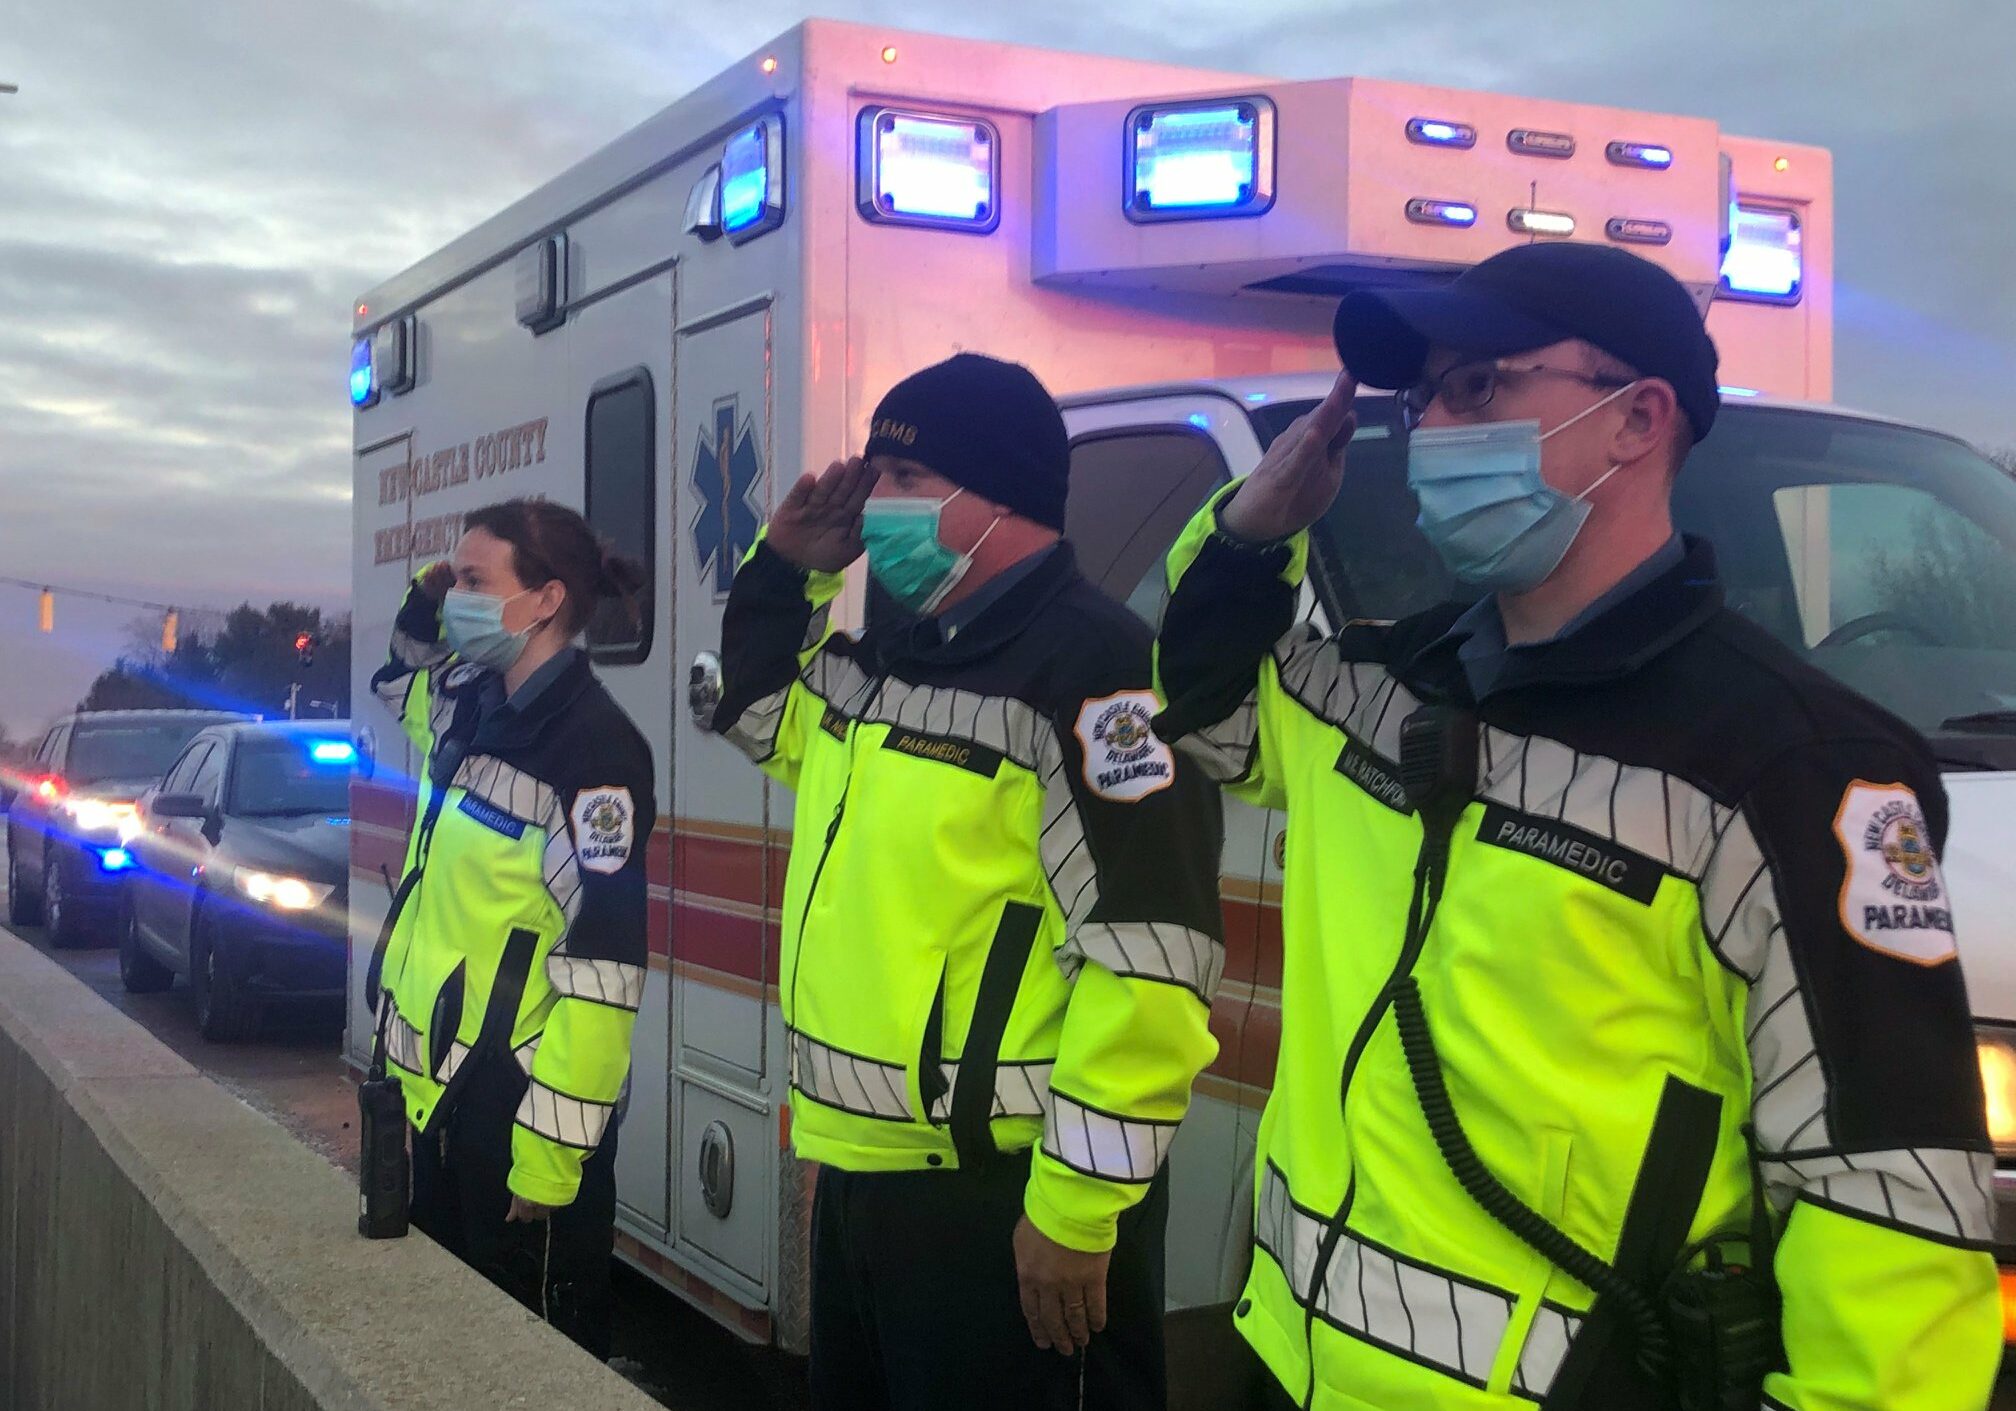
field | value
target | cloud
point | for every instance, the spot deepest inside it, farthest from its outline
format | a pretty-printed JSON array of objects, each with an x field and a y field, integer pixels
[{"x": 190, "y": 197}]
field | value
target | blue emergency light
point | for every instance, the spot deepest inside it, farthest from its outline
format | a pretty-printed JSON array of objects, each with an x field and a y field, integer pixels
[
  {"x": 1190, "y": 161},
  {"x": 332, "y": 752},
  {"x": 1764, "y": 262},
  {"x": 916, "y": 169},
  {"x": 1425, "y": 210},
  {"x": 1435, "y": 132},
  {"x": 363, "y": 382},
  {"x": 115, "y": 860},
  {"x": 752, "y": 181},
  {"x": 1640, "y": 154}
]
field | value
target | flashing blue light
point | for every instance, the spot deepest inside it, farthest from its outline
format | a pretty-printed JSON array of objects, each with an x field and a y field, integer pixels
[
  {"x": 1197, "y": 159},
  {"x": 1434, "y": 132},
  {"x": 1764, "y": 259},
  {"x": 745, "y": 179},
  {"x": 333, "y": 752},
  {"x": 1424, "y": 210},
  {"x": 1200, "y": 421},
  {"x": 362, "y": 382},
  {"x": 935, "y": 169},
  {"x": 1640, "y": 154},
  {"x": 115, "y": 860}
]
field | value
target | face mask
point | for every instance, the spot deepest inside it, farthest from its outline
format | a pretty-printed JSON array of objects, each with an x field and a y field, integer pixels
[
  {"x": 473, "y": 623},
  {"x": 906, "y": 555},
  {"x": 1484, "y": 506}
]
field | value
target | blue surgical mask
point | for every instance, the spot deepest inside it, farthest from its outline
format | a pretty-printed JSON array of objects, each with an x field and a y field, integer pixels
[
  {"x": 906, "y": 555},
  {"x": 1495, "y": 521},
  {"x": 473, "y": 624}
]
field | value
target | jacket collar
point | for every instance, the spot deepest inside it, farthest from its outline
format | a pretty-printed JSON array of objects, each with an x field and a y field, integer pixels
[
  {"x": 922, "y": 640},
  {"x": 1611, "y": 645},
  {"x": 508, "y": 727}
]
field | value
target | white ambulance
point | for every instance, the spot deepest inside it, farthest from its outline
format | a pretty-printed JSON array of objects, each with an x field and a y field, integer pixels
[{"x": 669, "y": 333}]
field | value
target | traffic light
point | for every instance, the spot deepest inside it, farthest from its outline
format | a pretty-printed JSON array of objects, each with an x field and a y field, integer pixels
[
  {"x": 304, "y": 648},
  {"x": 48, "y": 617},
  {"x": 171, "y": 624}
]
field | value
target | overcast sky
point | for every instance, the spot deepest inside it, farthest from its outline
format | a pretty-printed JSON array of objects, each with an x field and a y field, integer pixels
[{"x": 191, "y": 195}]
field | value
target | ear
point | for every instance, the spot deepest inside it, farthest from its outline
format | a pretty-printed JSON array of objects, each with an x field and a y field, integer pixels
[
  {"x": 552, "y": 600},
  {"x": 1651, "y": 420}
]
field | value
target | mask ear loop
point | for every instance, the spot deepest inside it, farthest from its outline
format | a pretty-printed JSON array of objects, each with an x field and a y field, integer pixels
[
  {"x": 1590, "y": 410},
  {"x": 531, "y": 630}
]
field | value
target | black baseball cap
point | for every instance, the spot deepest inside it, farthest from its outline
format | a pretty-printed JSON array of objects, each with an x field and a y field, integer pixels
[{"x": 1528, "y": 297}]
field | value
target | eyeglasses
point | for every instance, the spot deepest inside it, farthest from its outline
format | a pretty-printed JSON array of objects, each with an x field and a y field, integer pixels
[{"x": 1469, "y": 387}]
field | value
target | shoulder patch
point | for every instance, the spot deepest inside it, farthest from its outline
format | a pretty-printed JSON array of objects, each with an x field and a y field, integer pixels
[
  {"x": 605, "y": 828},
  {"x": 1123, "y": 759},
  {"x": 1893, "y": 898}
]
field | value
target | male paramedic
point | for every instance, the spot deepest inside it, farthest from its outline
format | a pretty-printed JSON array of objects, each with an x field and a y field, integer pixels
[
  {"x": 1624, "y": 1053},
  {"x": 1001, "y": 932}
]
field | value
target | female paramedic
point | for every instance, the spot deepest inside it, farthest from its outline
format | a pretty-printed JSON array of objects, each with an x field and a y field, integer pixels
[{"x": 513, "y": 960}]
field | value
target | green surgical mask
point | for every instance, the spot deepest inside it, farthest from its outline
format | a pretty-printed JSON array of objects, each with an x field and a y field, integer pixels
[{"x": 906, "y": 555}]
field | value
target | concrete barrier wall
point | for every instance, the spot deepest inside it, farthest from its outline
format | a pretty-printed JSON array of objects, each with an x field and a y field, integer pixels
[{"x": 163, "y": 1247}]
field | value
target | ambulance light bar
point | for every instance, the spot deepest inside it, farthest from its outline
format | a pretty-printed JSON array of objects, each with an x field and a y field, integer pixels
[
  {"x": 1190, "y": 161},
  {"x": 752, "y": 181},
  {"x": 1630, "y": 230},
  {"x": 917, "y": 169},
  {"x": 1530, "y": 142},
  {"x": 1434, "y": 132},
  {"x": 1424, "y": 210},
  {"x": 1528, "y": 221},
  {"x": 1764, "y": 263},
  {"x": 363, "y": 382},
  {"x": 1640, "y": 154}
]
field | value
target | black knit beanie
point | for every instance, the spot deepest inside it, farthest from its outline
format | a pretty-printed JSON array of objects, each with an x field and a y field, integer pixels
[{"x": 983, "y": 424}]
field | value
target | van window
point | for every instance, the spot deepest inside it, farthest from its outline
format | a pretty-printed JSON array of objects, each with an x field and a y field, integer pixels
[
  {"x": 621, "y": 506},
  {"x": 1132, "y": 492}
]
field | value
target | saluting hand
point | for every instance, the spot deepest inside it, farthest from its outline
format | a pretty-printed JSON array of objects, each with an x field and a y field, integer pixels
[
  {"x": 437, "y": 580},
  {"x": 818, "y": 526},
  {"x": 1298, "y": 478}
]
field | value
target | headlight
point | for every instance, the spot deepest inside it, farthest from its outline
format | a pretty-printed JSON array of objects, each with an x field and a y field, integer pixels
[
  {"x": 286, "y": 893},
  {"x": 96, "y": 815},
  {"x": 1996, "y": 1049}
]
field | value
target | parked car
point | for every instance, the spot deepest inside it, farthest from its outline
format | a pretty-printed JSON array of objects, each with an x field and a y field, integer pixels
[
  {"x": 65, "y": 860},
  {"x": 241, "y": 867}
]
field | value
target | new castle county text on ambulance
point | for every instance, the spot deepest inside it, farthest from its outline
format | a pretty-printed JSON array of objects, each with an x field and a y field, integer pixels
[{"x": 491, "y": 454}]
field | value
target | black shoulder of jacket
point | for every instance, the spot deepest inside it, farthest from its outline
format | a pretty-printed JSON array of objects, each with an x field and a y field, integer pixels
[
  {"x": 1772, "y": 702},
  {"x": 596, "y": 738}
]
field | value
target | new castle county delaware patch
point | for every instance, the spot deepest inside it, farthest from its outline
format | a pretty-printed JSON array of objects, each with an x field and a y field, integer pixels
[
  {"x": 605, "y": 828},
  {"x": 1893, "y": 898},
  {"x": 1123, "y": 759}
]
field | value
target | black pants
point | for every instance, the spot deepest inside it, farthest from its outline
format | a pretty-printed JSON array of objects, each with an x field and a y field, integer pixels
[
  {"x": 557, "y": 1267},
  {"x": 914, "y": 1302}
]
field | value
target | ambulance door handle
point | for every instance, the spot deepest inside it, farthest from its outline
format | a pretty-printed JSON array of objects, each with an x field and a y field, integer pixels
[{"x": 703, "y": 689}]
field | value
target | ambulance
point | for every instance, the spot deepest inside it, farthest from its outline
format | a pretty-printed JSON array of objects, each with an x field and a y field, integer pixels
[{"x": 666, "y": 335}]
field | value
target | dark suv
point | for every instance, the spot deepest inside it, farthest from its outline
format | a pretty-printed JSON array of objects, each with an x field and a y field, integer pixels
[{"x": 65, "y": 853}]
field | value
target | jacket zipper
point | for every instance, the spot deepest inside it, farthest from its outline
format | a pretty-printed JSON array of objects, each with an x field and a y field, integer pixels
[
  {"x": 1410, "y": 952},
  {"x": 873, "y": 694}
]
